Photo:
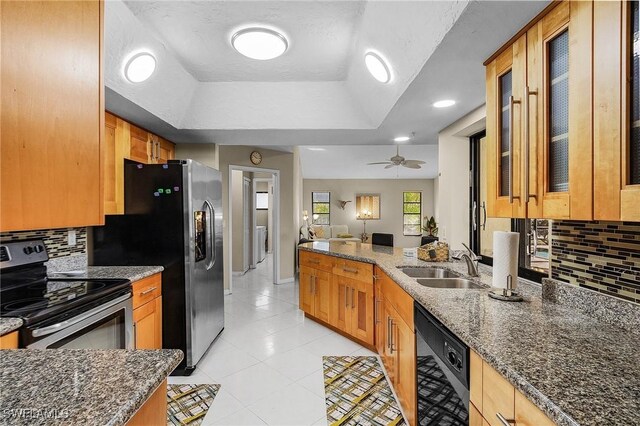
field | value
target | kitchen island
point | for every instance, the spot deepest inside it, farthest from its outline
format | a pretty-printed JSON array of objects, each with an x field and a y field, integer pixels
[
  {"x": 81, "y": 386},
  {"x": 577, "y": 369}
]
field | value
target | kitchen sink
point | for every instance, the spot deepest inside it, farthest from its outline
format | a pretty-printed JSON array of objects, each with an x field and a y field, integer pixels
[
  {"x": 429, "y": 273},
  {"x": 448, "y": 283}
]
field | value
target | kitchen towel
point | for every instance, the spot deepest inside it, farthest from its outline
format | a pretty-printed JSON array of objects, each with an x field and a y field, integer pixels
[{"x": 505, "y": 258}]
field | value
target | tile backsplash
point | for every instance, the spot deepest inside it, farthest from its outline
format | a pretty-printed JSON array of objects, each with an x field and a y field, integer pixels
[
  {"x": 602, "y": 256},
  {"x": 54, "y": 239}
]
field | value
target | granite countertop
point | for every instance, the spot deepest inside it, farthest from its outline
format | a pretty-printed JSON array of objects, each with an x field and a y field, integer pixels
[
  {"x": 79, "y": 386},
  {"x": 132, "y": 273},
  {"x": 575, "y": 368},
  {"x": 7, "y": 325}
]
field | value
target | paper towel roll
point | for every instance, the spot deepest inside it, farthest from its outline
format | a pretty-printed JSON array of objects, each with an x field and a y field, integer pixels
[{"x": 505, "y": 258}]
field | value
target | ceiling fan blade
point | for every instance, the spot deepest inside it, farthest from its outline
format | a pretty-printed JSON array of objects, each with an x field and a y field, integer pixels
[
  {"x": 412, "y": 166},
  {"x": 390, "y": 166},
  {"x": 414, "y": 162},
  {"x": 381, "y": 162}
]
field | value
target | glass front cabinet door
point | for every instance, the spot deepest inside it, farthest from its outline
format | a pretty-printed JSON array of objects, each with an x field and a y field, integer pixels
[
  {"x": 541, "y": 135},
  {"x": 616, "y": 91}
]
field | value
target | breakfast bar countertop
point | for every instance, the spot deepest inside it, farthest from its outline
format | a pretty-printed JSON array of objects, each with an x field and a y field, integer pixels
[
  {"x": 578, "y": 369},
  {"x": 79, "y": 386},
  {"x": 8, "y": 324}
]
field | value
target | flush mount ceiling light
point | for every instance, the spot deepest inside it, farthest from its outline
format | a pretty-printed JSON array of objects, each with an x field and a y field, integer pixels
[
  {"x": 401, "y": 139},
  {"x": 444, "y": 103},
  {"x": 259, "y": 43},
  {"x": 378, "y": 67},
  {"x": 140, "y": 67},
  {"x": 316, "y": 149}
]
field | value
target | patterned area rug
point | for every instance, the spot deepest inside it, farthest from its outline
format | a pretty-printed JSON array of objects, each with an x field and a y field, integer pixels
[
  {"x": 357, "y": 392},
  {"x": 188, "y": 404}
]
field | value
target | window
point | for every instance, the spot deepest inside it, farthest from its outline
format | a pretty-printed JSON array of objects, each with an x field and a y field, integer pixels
[
  {"x": 321, "y": 206},
  {"x": 262, "y": 201},
  {"x": 412, "y": 213}
]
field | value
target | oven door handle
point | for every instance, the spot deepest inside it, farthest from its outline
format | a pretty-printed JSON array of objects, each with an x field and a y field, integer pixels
[{"x": 50, "y": 329}]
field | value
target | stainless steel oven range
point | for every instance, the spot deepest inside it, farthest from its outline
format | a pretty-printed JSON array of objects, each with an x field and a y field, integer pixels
[{"x": 62, "y": 313}]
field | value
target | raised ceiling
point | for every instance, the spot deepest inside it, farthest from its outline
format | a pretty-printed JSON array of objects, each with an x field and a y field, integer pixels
[{"x": 321, "y": 37}]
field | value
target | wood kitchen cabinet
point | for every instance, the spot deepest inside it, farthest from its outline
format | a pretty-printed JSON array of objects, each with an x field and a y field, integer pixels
[
  {"x": 52, "y": 114},
  {"x": 147, "y": 312},
  {"x": 539, "y": 118},
  {"x": 616, "y": 115},
  {"x": 9, "y": 341},
  {"x": 492, "y": 396},
  {"x": 351, "y": 308},
  {"x": 314, "y": 292},
  {"x": 154, "y": 410},
  {"x": 124, "y": 140},
  {"x": 398, "y": 351}
]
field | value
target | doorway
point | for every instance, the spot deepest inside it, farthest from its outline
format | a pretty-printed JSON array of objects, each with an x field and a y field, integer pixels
[
  {"x": 252, "y": 225},
  {"x": 534, "y": 233}
]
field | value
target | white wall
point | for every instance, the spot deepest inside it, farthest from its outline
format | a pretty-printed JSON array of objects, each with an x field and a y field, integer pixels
[
  {"x": 453, "y": 178},
  {"x": 390, "y": 191},
  {"x": 204, "y": 153}
]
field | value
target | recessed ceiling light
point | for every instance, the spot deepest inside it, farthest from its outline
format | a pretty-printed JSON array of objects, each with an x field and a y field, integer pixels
[
  {"x": 259, "y": 43},
  {"x": 316, "y": 149},
  {"x": 378, "y": 67},
  {"x": 140, "y": 67},
  {"x": 444, "y": 103},
  {"x": 401, "y": 139}
]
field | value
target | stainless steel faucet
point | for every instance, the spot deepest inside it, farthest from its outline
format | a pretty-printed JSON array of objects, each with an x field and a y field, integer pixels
[{"x": 472, "y": 261}]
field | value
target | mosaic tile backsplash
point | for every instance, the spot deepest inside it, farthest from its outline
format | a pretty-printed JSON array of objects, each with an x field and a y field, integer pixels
[
  {"x": 54, "y": 239},
  {"x": 601, "y": 256}
]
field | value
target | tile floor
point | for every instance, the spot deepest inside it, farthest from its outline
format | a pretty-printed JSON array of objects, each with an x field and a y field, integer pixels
[{"x": 268, "y": 359}]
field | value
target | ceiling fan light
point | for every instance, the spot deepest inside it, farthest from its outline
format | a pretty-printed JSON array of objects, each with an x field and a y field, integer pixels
[
  {"x": 378, "y": 67},
  {"x": 259, "y": 43}
]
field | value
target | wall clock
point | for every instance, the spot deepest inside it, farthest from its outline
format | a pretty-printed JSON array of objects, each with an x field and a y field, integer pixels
[{"x": 256, "y": 157}]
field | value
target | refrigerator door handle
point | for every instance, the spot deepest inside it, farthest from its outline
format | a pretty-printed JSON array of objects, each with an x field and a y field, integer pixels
[{"x": 212, "y": 234}]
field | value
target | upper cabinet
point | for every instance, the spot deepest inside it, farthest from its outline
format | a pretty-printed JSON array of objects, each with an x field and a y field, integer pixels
[
  {"x": 123, "y": 141},
  {"x": 539, "y": 126},
  {"x": 617, "y": 111},
  {"x": 52, "y": 115}
]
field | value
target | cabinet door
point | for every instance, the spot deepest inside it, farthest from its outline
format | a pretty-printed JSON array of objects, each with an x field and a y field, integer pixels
[
  {"x": 387, "y": 354},
  {"x": 148, "y": 325},
  {"x": 497, "y": 396},
  {"x": 340, "y": 308},
  {"x": 322, "y": 295},
  {"x": 52, "y": 103},
  {"x": 165, "y": 151},
  {"x": 110, "y": 161},
  {"x": 306, "y": 290},
  {"x": 558, "y": 111},
  {"x": 139, "y": 145},
  {"x": 404, "y": 340},
  {"x": 9, "y": 341},
  {"x": 379, "y": 329},
  {"x": 528, "y": 414},
  {"x": 361, "y": 302},
  {"x": 475, "y": 418},
  {"x": 505, "y": 82},
  {"x": 616, "y": 91}
]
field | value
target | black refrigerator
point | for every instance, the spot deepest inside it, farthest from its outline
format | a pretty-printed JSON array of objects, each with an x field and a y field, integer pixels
[{"x": 173, "y": 218}]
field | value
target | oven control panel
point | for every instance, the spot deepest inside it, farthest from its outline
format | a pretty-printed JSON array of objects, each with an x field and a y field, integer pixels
[{"x": 23, "y": 252}]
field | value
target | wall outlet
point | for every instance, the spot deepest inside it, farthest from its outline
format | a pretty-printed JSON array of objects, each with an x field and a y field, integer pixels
[{"x": 71, "y": 237}]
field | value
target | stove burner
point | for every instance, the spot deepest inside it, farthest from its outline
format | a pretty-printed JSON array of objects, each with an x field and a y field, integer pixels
[{"x": 25, "y": 305}]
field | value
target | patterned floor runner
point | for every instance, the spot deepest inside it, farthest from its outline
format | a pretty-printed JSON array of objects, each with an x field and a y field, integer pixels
[
  {"x": 188, "y": 404},
  {"x": 357, "y": 392}
]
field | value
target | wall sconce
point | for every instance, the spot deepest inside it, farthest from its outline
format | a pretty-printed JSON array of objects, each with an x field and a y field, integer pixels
[{"x": 343, "y": 203}]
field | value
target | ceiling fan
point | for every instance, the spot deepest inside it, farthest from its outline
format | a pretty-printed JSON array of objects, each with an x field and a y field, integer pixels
[{"x": 398, "y": 160}]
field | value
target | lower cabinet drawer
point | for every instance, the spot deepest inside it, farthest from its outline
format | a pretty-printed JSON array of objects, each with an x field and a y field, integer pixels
[
  {"x": 360, "y": 271},
  {"x": 315, "y": 260},
  {"x": 146, "y": 289}
]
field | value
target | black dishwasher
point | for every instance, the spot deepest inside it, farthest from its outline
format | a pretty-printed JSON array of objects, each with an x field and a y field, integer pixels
[{"x": 442, "y": 372}]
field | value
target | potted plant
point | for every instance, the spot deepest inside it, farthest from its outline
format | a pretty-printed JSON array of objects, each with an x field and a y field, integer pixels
[{"x": 430, "y": 226}]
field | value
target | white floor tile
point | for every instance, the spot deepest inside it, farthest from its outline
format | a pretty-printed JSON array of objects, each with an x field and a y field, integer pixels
[
  {"x": 332, "y": 344},
  {"x": 254, "y": 383},
  {"x": 364, "y": 352},
  {"x": 295, "y": 364},
  {"x": 198, "y": 377},
  {"x": 243, "y": 417},
  {"x": 293, "y": 405},
  {"x": 314, "y": 382},
  {"x": 223, "y": 405},
  {"x": 224, "y": 359}
]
